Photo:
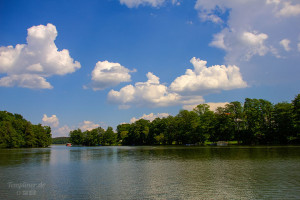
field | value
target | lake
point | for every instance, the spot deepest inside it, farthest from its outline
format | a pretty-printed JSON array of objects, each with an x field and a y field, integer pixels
[{"x": 150, "y": 172}]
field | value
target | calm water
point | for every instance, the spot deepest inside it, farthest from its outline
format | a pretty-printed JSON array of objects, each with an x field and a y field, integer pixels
[{"x": 150, "y": 172}]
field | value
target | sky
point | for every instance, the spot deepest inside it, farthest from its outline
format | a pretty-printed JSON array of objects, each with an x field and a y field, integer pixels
[{"x": 83, "y": 64}]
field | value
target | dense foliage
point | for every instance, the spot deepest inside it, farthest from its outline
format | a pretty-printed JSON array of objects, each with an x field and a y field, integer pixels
[
  {"x": 60, "y": 140},
  {"x": 257, "y": 121},
  {"x": 97, "y": 136},
  {"x": 16, "y": 132}
]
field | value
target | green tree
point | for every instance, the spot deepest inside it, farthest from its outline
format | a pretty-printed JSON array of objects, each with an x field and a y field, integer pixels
[
  {"x": 76, "y": 137},
  {"x": 189, "y": 130},
  {"x": 100, "y": 135},
  {"x": 31, "y": 140},
  {"x": 171, "y": 126},
  {"x": 122, "y": 132},
  {"x": 206, "y": 122},
  {"x": 138, "y": 133},
  {"x": 109, "y": 136},
  {"x": 156, "y": 132},
  {"x": 296, "y": 114},
  {"x": 284, "y": 124},
  {"x": 235, "y": 112},
  {"x": 10, "y": 137},
  {"x": 15, "y": 132},
  {"x": 259, "y": 121},
  {"x": 224, "y": 126},
  {"x": 90, "y": 138},
  {"x": 43, "y": 135}
]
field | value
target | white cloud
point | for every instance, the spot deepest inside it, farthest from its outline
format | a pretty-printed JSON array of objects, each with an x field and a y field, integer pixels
[
  {"x": 61, "y": 131},
  {"x": 247, "y": 30},
  {"x": 212, "y": 106},
  {"x": 254, "y": 44},
  {"x": 210, "y": 17},
  {"x": 28, "y": 65},
  {"x": 285, "y": 43},
  {"x": 203, "y": 80},
  {"x": 137, "y": 3},
  {"x": 241, "y": 46},
  {"x": 52, "y": 121},
  {"x": 88, "y": 125},
  {"x": 176, "y": 2},
  {"x": 150, "y": 93},
  {"x": 107, "y": 74},
  {"x": 289, "y": 10},
  {"x": 31, "y": 81},
  {"x": 152, "y": 3},
  {"x": 187, "y": 89},
  {"x": 150, "y": 117},
  {"x": 298, "y": 46},
  {"x": 218, "y": 41},
  {"x": 272, "y": 1}
]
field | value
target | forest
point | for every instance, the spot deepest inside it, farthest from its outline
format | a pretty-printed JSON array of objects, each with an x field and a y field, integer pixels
[
  {"x": 60, "y": 140},
  {"x": 255, "y": 122},
  {"x": 17, "y": 132}
]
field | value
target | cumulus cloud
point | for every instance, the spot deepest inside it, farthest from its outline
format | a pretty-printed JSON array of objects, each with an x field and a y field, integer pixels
[
  {"x": 52, "y": 121},
  {"x": 31, "y": 81},
  {"x": 272, "y": 1},
  {"x": 152, "y": 3},
  {"x": 61, "y": 131},
  {"x": 212, "y": 106},
  {"x": 150, "y": 93},
  {"x": 108, "y": 74},
  {"x": 218, "y": 41},
  {"x": 88, "y": 125},
  {"x": 243, "y": 45},
  {"x": 289, "y": 10},
  {"x": 28, "y": 65},
  {"x": 203, "y": 79},
  {"x": 254, "y": 43},
  {"x": 285, "y": 44},
  {"x": 150, "y": 117},
  {"x": 247, "y": 30},
  {"x": 187, "y": 89},
  {"x": 137, "y": 3}
]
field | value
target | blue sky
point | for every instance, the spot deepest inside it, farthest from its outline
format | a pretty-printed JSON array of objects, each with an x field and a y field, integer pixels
[{"x": 71, "y": 64}]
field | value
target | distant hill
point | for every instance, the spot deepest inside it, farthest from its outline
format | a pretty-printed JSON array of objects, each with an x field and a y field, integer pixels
[{"x": 60, "y": 140}]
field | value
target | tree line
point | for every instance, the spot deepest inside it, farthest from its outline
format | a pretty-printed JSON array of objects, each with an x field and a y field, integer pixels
[
  {"x": 60, "y": 140},
  {"x": 97, "y": 136},
  {"x": 16, "y": 132},
  {"x": 256, "y": 121}
]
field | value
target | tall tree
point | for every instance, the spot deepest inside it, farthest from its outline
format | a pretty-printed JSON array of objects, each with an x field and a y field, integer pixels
[
  {"x": 76, "y": 137},
  {"x": 206, "y": 121},
  {"x": 110, "y": 136},
  {"x": 235, "y": 111},
  {"x": 284, "y": 125},
  {"x": 224, "y": 126},
  {"x": 259, "y": 121},
  {"x": 296, "y": 113},
  {"x": 138, "y": 132},
  {"x": 122, "y": 132}
]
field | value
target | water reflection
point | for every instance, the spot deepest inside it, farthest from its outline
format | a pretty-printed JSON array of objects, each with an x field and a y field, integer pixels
[
  {"x": 154, "y": 172},
  {"x": 11, "y": 157}
]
